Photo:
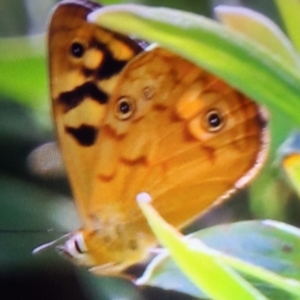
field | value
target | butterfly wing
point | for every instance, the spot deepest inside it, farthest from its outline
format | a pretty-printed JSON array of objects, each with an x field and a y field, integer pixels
[
  {"x": 84, "y": 61},
  {"x": 176, "y": 132}
]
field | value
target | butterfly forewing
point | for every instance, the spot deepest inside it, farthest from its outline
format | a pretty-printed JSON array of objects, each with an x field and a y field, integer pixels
[{"x": 85, "y": 62}]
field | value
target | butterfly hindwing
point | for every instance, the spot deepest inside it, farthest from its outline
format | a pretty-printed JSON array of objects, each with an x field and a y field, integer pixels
[{"x": 178, "y": 133}]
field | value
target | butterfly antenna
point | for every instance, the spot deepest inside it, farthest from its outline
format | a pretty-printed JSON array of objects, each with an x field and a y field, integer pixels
[{"x": 50, "y": 244}]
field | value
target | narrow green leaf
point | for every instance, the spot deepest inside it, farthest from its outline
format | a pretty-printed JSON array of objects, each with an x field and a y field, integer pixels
[
  {"x": 270, "y": 259},
  {"x": 261, "y": 29},
  {"x": 197, "y": 261},
  {"x": 290, "y": 11}
]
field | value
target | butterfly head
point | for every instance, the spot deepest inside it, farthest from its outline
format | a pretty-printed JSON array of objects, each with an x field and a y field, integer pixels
[{"x": 102, "y": 256}]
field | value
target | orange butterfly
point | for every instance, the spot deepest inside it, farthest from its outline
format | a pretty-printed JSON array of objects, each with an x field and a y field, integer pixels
[{"x": 151, "y": 122}]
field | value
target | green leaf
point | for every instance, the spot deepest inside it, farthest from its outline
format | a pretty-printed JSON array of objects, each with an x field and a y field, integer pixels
[
  {"x": 267, "y": 244},
  {"x": 261, "y": 29},
  {"x": 23, "y": 70},
  {"x": 197, "y": 261},
  {"x": 290, "y": 11}
]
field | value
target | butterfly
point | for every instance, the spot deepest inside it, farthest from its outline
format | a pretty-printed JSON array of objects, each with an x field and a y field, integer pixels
[{"x": 131, "y": 120}]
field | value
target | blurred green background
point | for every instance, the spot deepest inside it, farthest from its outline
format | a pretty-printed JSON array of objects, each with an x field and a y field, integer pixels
[{"x": 37, "y": 209}]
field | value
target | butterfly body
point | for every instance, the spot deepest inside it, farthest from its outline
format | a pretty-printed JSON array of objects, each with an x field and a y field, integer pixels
[{"x": 167, "y": 128}]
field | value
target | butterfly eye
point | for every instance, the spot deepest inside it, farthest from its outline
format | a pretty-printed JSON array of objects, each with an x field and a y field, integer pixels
[
  {"x": 77, "y": 49},
  {"x": 214, "y": 120},
  {"x": 74, "y": 247},
  {"x": 124, "y": 108}
]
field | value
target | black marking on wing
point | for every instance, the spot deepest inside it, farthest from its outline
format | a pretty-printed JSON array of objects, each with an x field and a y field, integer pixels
[
  {"x": 110, "y": 66},
  {"x": 72, "y": 99},
  {"x": 88, "y": 72},
  {"x": 85, "y": 135}
]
